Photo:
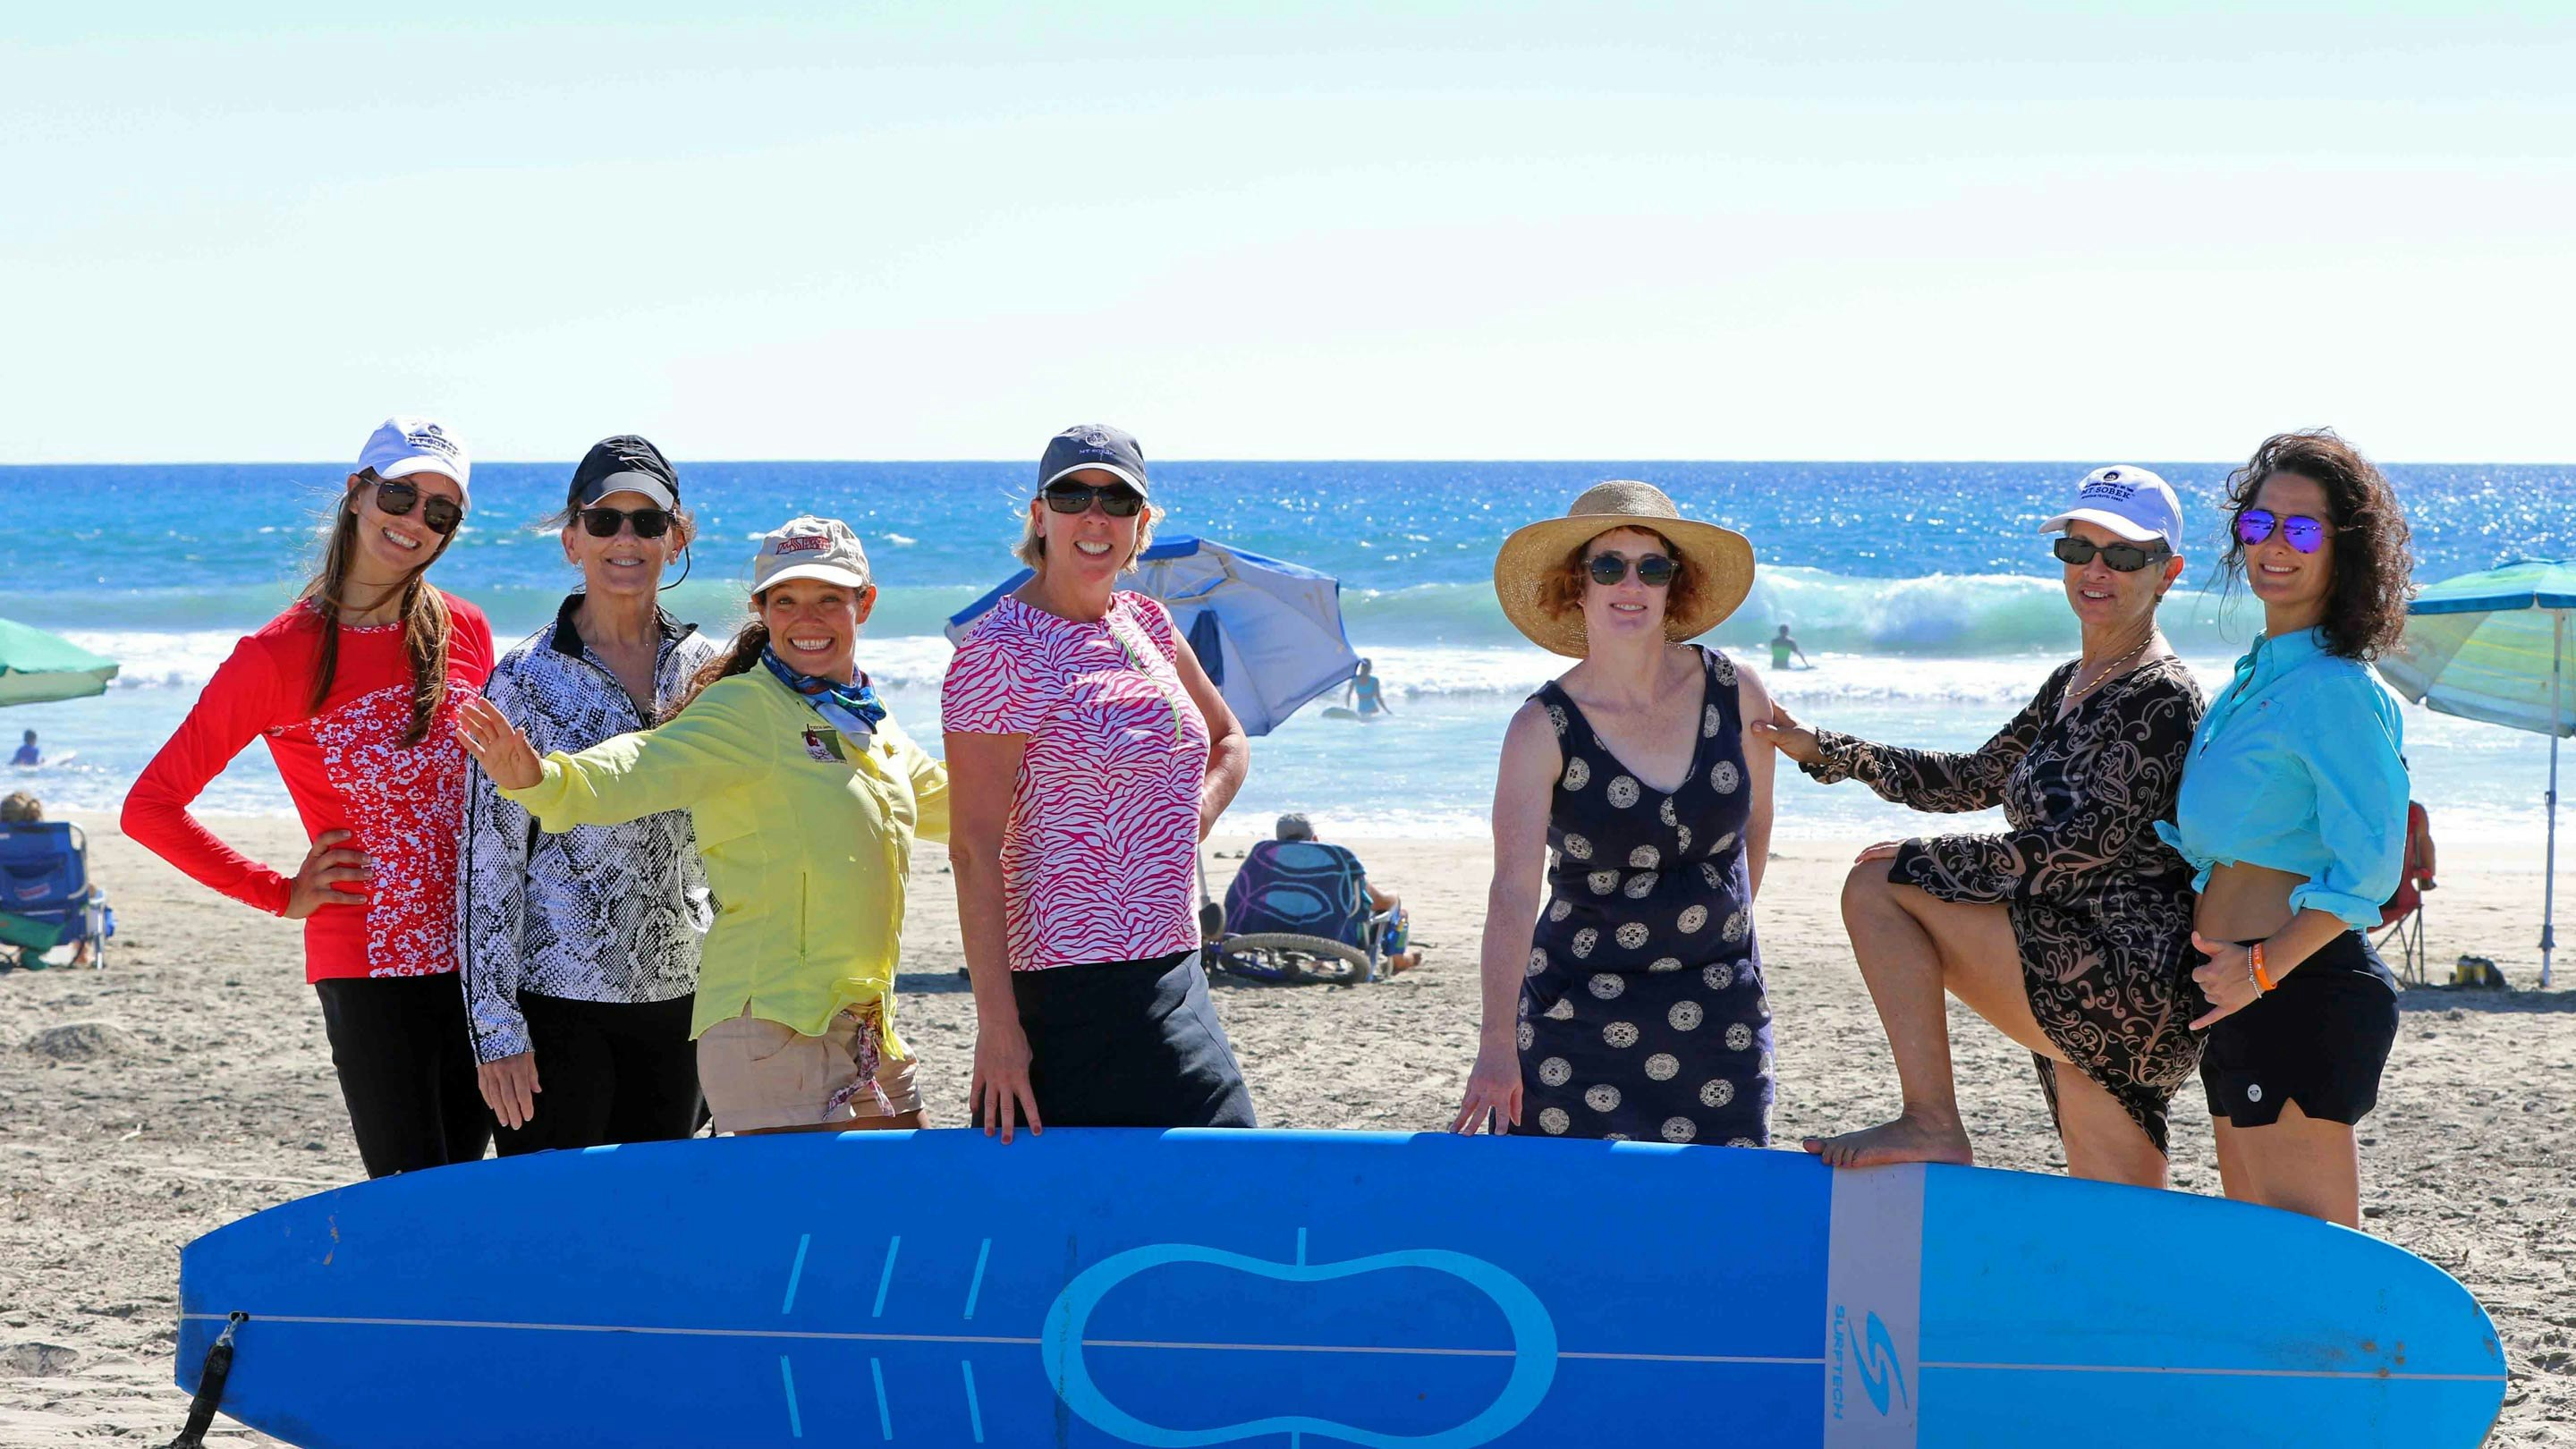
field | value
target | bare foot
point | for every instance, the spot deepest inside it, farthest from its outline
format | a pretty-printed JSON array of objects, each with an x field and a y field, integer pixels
[
  {"x": 1403, "y": 961},
  {"x": 1909, "y": 1138}
]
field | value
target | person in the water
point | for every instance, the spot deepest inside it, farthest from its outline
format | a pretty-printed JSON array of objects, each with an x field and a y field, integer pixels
[
  {"x": 1364, "y": 696},
  {"x": 1782, "y": 646}
]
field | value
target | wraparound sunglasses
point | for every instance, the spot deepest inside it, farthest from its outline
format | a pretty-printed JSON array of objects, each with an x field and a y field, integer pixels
[
  {"x": 649, "y": 522},
  {"x": 1116, "y": 499},
  {"x": 2125, "y": 558}
]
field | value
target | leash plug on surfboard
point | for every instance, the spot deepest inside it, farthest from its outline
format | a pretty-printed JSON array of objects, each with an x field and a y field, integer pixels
[{"x": 210, "y": 1386}]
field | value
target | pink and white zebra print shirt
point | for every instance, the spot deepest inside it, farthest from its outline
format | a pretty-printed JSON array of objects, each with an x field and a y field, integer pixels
[{"x": 1100, "y": 856}]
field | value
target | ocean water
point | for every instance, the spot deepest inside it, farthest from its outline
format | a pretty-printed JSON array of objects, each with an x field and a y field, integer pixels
[{"x": 1928, "y": 602}]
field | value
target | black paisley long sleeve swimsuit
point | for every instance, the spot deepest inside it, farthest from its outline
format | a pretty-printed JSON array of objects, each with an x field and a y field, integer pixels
[
  {"x": 1643, "y": 1016},
  {"x": 2100, "y": 907}
]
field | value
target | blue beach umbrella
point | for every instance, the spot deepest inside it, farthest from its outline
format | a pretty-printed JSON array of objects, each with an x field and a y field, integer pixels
[
  {"x": 2500, "y": 646},
  {"x": 1268, "y": 632}
]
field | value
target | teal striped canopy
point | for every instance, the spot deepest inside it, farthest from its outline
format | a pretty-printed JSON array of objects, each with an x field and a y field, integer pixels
[{"x": 2498, "y": 645}]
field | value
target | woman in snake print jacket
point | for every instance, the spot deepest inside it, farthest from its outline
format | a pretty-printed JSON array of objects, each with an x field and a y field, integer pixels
[
  {"x": 2071, "y": 929},
  {"x": 579, "y": 951}
]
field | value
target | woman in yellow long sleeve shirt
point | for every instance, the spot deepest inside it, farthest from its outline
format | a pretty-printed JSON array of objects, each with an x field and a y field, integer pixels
[{"x": 806, "y": 800}]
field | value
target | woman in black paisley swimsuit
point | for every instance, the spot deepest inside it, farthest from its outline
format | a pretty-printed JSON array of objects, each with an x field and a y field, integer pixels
[
  {"x": 1634, "y": 1008},
  {"x": 2071, "y": 930}
]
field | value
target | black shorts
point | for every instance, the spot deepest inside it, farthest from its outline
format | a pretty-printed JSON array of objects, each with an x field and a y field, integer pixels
[{"x": 2321, "y": 1040}]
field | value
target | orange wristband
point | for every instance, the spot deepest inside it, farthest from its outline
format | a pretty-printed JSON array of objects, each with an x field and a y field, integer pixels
[{"x": 2262, "y": 978}]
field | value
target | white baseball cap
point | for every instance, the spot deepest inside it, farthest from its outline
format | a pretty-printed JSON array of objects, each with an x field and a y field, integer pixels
[
  {"x": 806, "y": 547},
  {"x": 2131, "y": 502},
  {"x": 402, "y": 446}
]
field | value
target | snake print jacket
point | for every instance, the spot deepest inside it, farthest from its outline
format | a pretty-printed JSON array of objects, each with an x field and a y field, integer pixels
[{"x": 598, "y": 913}]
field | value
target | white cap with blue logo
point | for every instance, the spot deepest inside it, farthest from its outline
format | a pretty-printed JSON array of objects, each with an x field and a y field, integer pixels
[
  {"x": 2131, "y": 502},
  {"x": 402, "y": 446}
]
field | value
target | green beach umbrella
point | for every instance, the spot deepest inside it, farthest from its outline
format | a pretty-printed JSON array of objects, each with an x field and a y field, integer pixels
[
  {"x": 37, "y": 667},
  {"x": 2500, "y": 646}
]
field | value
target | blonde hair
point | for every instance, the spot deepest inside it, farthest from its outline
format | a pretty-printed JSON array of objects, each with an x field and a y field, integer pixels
[{"x": 1032, "y": 546}]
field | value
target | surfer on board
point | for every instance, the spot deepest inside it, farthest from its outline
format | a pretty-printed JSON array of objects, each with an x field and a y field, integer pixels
[{"x": 1365, "y": 697}]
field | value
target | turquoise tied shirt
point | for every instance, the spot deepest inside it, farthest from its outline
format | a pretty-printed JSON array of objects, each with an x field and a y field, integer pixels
[{"x": 2299, "y": 767}]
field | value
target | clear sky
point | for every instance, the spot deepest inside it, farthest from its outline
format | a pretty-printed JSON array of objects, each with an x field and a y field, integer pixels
[{"x": 1491, "y": 230}]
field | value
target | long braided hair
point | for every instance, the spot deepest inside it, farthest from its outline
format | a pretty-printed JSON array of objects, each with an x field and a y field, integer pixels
[{"x": 426, "y": 623}]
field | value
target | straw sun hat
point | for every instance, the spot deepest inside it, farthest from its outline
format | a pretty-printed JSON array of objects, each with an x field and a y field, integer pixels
[{"x": 1720, "y": 559}]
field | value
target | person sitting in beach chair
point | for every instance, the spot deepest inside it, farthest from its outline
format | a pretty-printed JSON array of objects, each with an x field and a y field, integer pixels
[
  {"x": 2402, "y": 918},
  {"x": 46, "y": 898},
  {"x": 1303, "y": 910}
]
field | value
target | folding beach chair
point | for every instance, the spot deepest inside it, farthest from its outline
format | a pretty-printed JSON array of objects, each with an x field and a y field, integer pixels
[
  {"x": 2402, "y": 919},
  {"x": 46, "y": 898},
  {"x": 1298, "y": 911}
]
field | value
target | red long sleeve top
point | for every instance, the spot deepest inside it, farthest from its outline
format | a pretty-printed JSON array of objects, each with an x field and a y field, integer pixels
[{"x": 347, "y": 769}]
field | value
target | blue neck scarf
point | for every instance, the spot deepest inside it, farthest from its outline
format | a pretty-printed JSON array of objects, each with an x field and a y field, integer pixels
[{"x": 850, "y": 708}]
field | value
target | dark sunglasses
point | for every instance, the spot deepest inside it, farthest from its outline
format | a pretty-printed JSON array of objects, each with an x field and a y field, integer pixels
[
  {"x": 399, "y": 499},
  {"x": 1115, "y": 499},
  {"x": 2305, "y": 534},
  {"x": 2125, "y": 558},
  {"x": 605, "y": 522},
  {"x": 1654, "y": 570}
]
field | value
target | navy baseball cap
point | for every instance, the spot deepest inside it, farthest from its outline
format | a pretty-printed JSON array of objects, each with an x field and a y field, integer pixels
[
  {"x": 1092, "y": 445},
  {"x": 625, "y": 464}
]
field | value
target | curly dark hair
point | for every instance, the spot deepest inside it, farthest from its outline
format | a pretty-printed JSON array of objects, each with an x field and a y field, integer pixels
[
  {"x": 2374, "y": 553},
  {"x": 1560, "y": 592}
]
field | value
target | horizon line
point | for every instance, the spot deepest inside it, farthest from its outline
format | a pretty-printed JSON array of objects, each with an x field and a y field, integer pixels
[{"x": 1195, "y": 462}]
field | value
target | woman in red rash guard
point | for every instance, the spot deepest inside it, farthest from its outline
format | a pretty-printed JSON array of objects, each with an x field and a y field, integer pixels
[{"x": 355, "y": 688}]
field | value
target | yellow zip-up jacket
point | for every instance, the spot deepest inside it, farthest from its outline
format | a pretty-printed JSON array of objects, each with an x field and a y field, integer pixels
[{"x": 807, "y": 840}]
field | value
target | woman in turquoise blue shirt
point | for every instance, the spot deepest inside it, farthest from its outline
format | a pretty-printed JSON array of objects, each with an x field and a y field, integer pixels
[{"x": 2293, "y": 816}]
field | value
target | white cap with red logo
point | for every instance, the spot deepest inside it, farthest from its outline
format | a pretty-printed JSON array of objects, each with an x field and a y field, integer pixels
[{"x": 806, "y": 547}]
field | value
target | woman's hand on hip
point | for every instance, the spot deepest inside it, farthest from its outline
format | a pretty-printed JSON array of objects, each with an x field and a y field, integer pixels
[
  {"x": 2227, "y": 979},
  {"x": 497, "y": 745},
  {"x": 1000, "y": 1093},
  {"x": 510, "y": 1089},
  {"x": 1493, "y": 1094},
  {"x": 316, "y": 882},
  {"x": 1783, "y": 733}
]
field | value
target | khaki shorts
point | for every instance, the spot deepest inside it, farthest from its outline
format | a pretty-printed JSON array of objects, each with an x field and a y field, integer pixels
[{"x": 759, "y": 1074}]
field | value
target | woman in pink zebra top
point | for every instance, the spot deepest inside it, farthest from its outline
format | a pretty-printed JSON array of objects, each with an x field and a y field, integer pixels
[{"x": 1088, "y": 754}]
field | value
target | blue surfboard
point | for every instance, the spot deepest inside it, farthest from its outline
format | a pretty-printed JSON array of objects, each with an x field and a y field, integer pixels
[{"x": 1182, "y": 1289}]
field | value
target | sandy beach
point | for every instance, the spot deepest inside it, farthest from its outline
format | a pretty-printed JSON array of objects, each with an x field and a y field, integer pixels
[{"x": 189, "y": 1084}]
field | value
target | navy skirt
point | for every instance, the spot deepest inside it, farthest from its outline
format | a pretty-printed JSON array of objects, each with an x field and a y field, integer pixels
[{"x": 1129, "y": 1044}]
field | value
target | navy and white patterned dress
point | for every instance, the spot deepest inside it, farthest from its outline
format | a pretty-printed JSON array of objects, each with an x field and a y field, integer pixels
[{"x": 1643, "y": 1016}]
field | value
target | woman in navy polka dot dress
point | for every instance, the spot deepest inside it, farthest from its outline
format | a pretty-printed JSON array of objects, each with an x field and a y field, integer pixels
[{"x": 1634, "y": 1008}]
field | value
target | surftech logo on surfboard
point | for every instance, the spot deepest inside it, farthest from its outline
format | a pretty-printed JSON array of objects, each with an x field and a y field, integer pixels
[{"x": 1875, "y": 1362}]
